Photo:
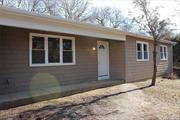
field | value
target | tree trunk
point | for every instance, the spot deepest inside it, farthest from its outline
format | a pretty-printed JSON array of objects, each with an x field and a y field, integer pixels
[{"x": 154, "y": 64}]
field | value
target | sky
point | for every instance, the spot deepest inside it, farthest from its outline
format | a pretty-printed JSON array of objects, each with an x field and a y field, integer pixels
[{"x": 167, "y": 10}]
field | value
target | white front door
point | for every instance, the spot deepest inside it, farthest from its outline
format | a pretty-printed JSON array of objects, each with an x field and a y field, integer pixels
[{"x": 103, "y": 60}]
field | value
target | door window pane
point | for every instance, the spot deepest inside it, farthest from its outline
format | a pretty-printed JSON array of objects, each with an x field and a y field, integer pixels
[{"x": 53, "y": 50}]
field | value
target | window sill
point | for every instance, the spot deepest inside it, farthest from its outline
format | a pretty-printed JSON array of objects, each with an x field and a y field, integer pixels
[
  {"x": 164, "y": 59},
  {"x": 142, "y": 60},
  {"x": 52, "y": 64}
]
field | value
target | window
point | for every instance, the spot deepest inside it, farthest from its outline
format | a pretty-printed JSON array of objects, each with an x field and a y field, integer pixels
[
  {"x": 67, "y": 51},
  {"x": 53, "y": 50},
  {"x": 47, "y": 50},
  {"x": 38, "y": 50},
  {"x": 142, "y": 51},
  {"x": 163, "y": 52}
]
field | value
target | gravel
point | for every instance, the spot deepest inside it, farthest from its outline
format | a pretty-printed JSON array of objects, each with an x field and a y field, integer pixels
[{"x": 132, "y": 101}]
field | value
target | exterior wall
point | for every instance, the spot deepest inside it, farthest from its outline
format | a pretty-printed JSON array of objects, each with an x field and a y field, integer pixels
[
  {"x": 117, "y": 60},
  {"x": 16, "y": 75},
  {"x": 1, "y": 51},
  {"x": 165, "y": 66},
  {"x": 140, "y": 70}
]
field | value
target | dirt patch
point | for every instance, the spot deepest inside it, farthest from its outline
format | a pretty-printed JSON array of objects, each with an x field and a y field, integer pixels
[
  {"x": 122, "y": 102},
  {"x": 176, "y": 71}
]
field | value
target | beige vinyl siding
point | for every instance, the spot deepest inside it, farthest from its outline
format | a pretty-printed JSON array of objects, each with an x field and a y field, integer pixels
[
  {"x": 140, "y": 70},
  {"x": 117, "y": 60},
  {"x": 22, "y": 77},
  {"x": 137, "y": 70},
  {"x": 165, "y": 66},
  {"x": 1, "y": 53}
]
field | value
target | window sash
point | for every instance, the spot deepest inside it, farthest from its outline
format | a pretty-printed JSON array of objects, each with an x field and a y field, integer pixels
[
  {"x": 143, "y": 52},
  {"x": 46, "y": 50},
  {"x": 163, "y": 52},
  {"x": 58, "y": 47},
  {"x": 65, "y": 51}
]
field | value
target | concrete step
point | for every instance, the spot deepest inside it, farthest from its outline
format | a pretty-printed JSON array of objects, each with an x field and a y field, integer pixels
[{"x": 22, "y": 98}]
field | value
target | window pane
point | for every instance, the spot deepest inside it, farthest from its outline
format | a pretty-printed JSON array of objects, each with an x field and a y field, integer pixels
[
  {"x": 67, "y": 44},
  {"x": 165, "y": 55},
  {"x": 139, "y": 55},
  {"x": 165, "y": 50},
  {"x": 161, "y": 55},
  {"x": 145, "y": 55},
  {"x": 67, "y": 57},
  {"x": 37, "y": 42},
  {"x": 53, "y": 50},
  {"x": 38, "y": 56},
  {"x": 161, "y": 49},
  {"x": 139, "y": 47},
  {"x": 145, "y": 47}
]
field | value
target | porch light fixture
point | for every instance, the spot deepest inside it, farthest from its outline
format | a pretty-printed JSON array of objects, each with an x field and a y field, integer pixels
[{"x": 93, "y": 48}]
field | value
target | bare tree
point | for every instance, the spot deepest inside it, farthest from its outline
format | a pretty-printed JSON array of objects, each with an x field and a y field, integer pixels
[
  {"x": 31, "y": 5},
  {"x": 111, "y": 17},
  {"x": 8, "y": 3},
  {"x": 150, "y": 22},
  {"x": 101, "y": 16},
  {"x": 116, "y": 18},
  {"x": 51, "y": 7},
  {"x": 177, "y": 9},
  {"x": 2, "y": 2},
  {"x": 74, "y": 9}
]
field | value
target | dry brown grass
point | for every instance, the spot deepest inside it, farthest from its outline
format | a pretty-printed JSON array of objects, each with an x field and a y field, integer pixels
[{"x": 122, "y": 102}]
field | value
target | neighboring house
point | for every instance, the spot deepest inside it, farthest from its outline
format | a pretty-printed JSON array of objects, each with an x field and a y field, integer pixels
[{"x": 38, "y": 49}]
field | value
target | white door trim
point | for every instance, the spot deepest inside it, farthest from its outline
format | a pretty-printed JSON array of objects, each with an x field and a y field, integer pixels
[{"x": 108, "y": 75}]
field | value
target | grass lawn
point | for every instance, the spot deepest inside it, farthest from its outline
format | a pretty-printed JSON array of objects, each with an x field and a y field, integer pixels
[{"x": 133, "y": 101}]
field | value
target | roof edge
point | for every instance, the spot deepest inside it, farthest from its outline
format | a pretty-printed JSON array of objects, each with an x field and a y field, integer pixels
[{"x": 19, "y": 12}]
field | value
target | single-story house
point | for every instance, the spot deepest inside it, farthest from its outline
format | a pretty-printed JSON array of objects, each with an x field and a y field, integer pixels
[{"x": 45, "y": 51}]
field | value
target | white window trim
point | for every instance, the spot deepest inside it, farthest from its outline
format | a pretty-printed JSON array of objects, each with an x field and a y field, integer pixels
[
  {"x": 142, "y": 43},
  {"x": 163, "y": 46},
  {"x": 46, "y": 50}
]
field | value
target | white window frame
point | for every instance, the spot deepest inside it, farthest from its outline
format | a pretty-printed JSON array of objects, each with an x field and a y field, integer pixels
[
  {"x": 163, "y": 46},
  {"x": 46, "y": 50},
  {"x": 142, "y": 44}
]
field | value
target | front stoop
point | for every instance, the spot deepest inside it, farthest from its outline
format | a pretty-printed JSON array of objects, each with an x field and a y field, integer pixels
[{"x": 22, "y": 98}]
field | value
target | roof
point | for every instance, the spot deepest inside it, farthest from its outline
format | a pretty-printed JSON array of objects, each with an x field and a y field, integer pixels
[{"x": 23, "y": 19}]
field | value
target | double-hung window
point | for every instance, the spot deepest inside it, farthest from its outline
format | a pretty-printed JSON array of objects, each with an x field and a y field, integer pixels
[
  {"x": 48, "y": 50},
  {"x": 142, "y": 51},
  {"x": 163, "y": 52}
]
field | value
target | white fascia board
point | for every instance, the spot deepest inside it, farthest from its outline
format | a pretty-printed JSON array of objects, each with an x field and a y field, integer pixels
[
  {"x": 168, "y": 42},
  {"x": 29, "y": 21}
]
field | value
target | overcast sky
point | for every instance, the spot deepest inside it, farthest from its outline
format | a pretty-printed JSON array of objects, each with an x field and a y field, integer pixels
[{"x": 167, "y": 11}]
